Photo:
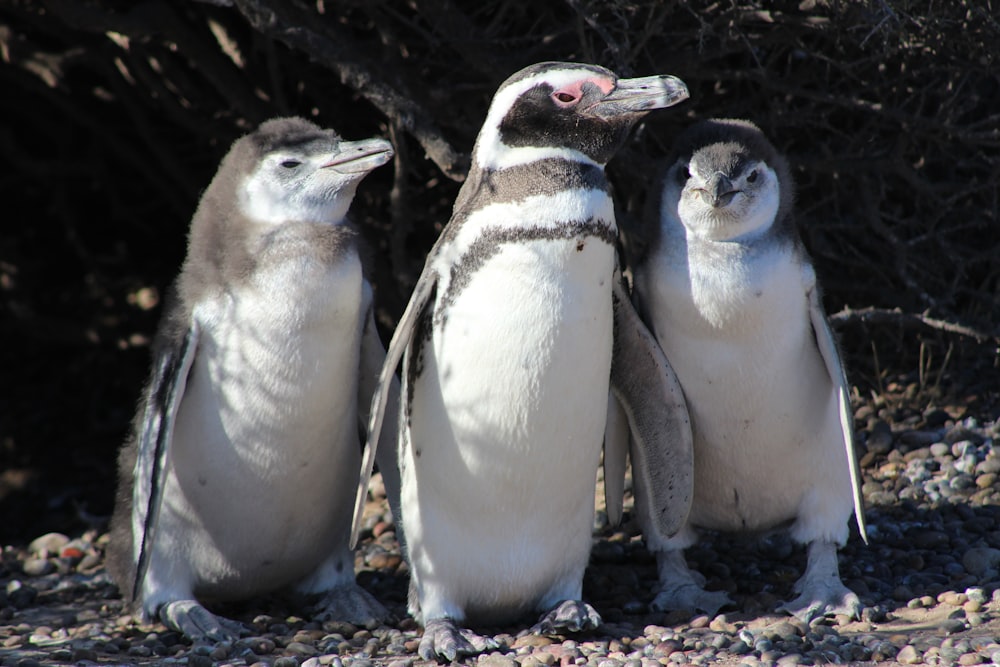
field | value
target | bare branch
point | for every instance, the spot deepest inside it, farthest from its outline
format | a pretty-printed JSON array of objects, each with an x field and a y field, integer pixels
[
  {"x": 896, "y": 316},
  {"x": 342, "y": 56}
]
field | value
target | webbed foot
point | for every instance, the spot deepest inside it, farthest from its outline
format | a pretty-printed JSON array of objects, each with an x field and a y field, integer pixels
[
  {"x": 681, "y": 588},
  {"x": 567, "y": 616},
  {"x": 821, "y": 592},
  {"x": 353, "y": 604},
  {"x": 444, "y": 639},
  {"x": 199, "y": 624}
]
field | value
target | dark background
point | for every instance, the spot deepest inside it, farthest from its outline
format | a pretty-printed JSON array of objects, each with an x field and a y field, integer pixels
[{"x": 114, "y": 115}]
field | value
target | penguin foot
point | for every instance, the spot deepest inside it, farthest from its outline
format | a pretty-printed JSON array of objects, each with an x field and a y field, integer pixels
[
  {"x": 823, "y": 600},
  {"x": 681, "y": 587},
  {"x": 567, "y": 616},
  {"x": 353, "y": 604},
  {"x": 443, "y": 639},
  {"x": 689, "y": 596},
  {"x": 822, "y": 593},
  {"x": 199, "y": 624}
]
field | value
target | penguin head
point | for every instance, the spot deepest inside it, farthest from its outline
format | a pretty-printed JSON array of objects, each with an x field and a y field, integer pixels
[
  {"x": 291, "y": 170},
  {"x": 727, "y": 181},
  {"x": 574, "y": 111}
]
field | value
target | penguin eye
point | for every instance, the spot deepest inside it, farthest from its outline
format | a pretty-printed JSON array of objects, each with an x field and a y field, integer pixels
[
  {"x": 564, "y": 99},
  {"x": 752, "y": 176},
  {"x": 683, "y": 174},
  {"x": 290, "y": 164}
]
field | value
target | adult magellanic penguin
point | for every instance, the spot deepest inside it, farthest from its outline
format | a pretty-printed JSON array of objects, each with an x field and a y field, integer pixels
[
  {"x": 515, "y": 328},
  {"x": 239, "y": 477},
  {"x": 724, "y": 282}
]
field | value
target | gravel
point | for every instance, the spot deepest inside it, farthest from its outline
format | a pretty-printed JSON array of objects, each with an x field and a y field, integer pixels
[{"x": 929, "y": 580}]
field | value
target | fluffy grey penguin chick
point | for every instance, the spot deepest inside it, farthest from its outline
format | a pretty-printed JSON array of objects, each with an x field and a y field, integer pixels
[
  {"x": 239, "y": 477},
  {"x": 726, "y": 285},
  {"x": 516, "y": 328}
]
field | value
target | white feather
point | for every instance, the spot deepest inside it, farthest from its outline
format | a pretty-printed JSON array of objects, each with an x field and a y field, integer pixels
[
  {"x": 267, "y": 427},
  {"x": 508, "y": 418}
]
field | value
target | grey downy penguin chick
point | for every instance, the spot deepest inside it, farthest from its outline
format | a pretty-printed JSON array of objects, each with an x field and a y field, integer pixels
[
  {"x": 516, "y": 328},
  {"x": 728, "y": 289},
  {"x": 239, "y": 476}
]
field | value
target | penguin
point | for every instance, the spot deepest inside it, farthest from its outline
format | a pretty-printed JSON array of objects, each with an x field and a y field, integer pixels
[
  {"x": 722, "y": 279},
  {"x": 238, "y": 477},
  {"x": 517, "y": 330}
]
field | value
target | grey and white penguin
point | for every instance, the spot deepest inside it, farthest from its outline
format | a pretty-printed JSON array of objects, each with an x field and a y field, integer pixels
[
  {"x": 516, "y": 328},
  {"x": 724, "y": 282},
  {"x": 239, "y": 477}
]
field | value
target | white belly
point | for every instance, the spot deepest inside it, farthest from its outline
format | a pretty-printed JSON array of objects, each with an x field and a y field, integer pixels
[
  {"x": 767, "y": 441},
  {"x": 266, "y": 452},
  {"x": 507, "y": 424}
]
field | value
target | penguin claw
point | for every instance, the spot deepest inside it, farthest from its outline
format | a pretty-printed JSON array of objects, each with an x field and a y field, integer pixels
[
  {"x": 353, "y": 604},
  {"x": 199, "y": 624},
  {"x": 821, "y": 591},
  {"x": 443, "y": 639},
  {"x": 823, "y": 600},
  {"x": 568, "y": 616},
  {"x": 681, "y": 587}
]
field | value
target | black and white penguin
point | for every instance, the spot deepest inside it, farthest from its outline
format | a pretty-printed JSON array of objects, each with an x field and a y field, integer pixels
[
  {"x": 727, "y": 287},
  {"x": 516, "y": 328},
  {"x": 239, "y": 477}
]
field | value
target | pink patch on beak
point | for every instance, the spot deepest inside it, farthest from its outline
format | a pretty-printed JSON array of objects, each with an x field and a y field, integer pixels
[{"x": 570, "y": 94}]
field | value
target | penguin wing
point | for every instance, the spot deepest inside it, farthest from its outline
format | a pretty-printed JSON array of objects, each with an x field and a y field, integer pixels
[
  {"x": 387, "y": 388},
  {"x": 171, "y": 366},
  {"x": 828, "y": 349},
  {"x": 615, "y": 459},
  {"x": 370, "y": 365},
  {"x": 651, "y": 397}
]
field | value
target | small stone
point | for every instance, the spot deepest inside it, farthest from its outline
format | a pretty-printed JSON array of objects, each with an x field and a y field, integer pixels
[
  {"x": 986, "y": 480},
  {"x": 953, "y": 625},
  {"x": 952, "y": 598},
  {"x": 36, "y": 567},
  {"x": 301, "y": 648},
  {"x": 879, "y": 438},
  {"x": 721, "y": 624},
  {"x": 285, "y": 661},
  {"x": 545, "y": 658},
  {"x": 739, "y": 647},
  {"x": 931, "y": 539},
  {"x": 908, "y": 655},
  {"x": 80, "y": 654},
  {"x": 981, "y": 560},
  {"x": 496, "y": 660},
  {"x": 48, "y": 544},
  {"x": 532, "y": 640},
  {"x": 970, "y": 659},
  {"x": 197, "y": 660},
  {"x": 701, "y": 621}
]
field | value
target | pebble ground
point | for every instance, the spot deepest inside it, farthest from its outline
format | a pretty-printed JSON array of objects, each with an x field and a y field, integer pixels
[{"x": 929, "y": 580}]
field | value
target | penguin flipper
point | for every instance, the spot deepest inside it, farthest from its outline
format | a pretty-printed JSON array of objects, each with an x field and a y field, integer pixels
[
  {"x": 615, "y": 459},
  {"x": 662, "y": 450},
  {"x": 386, "y": 385},
  {"x": 828, "y": 350},
  {"x": 163, "y": 397},
  {"x": 385, "y": 454}
]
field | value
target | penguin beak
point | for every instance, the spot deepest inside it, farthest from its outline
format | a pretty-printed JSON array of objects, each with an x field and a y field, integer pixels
[
  {"x": 719, "y": 190},
  {"x": 359, "y": 157},
  {"x": 637, "y": 96}
]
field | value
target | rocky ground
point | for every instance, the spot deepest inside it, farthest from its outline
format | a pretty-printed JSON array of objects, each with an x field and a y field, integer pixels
[{"x": 929, "y": 579}]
